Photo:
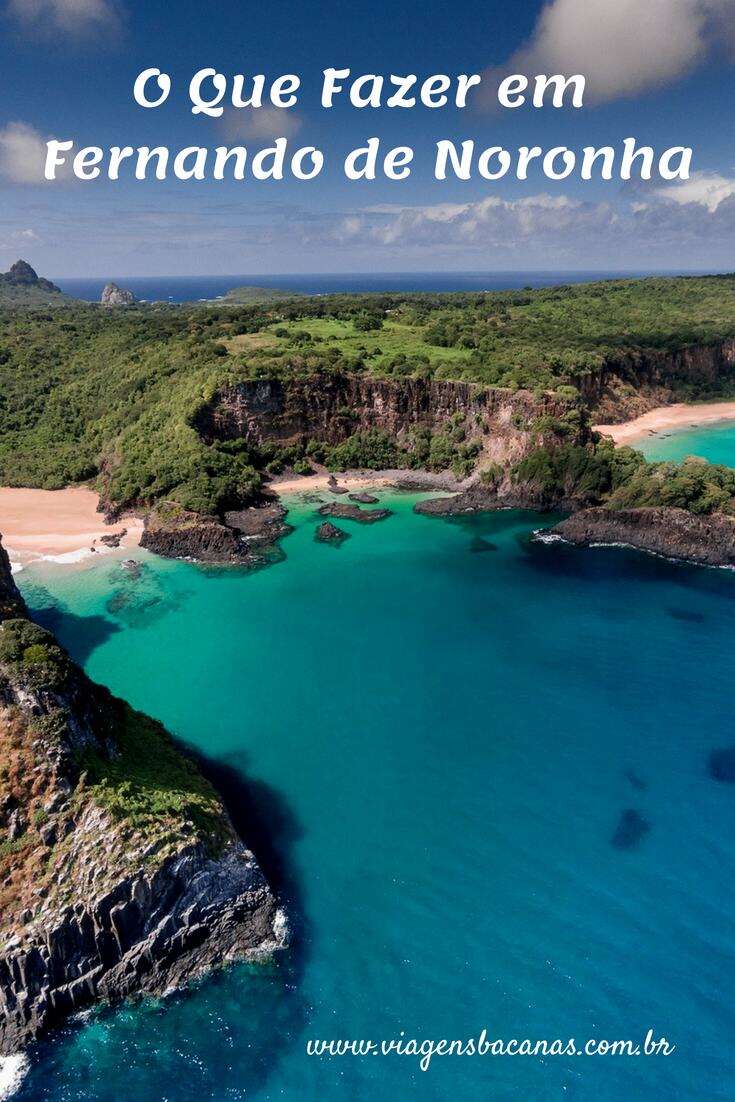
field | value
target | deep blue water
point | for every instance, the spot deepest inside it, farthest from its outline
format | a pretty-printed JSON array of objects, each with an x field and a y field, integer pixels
[
  {"x": 193, "y": 288},
  {"x": 437, "y": 729}
]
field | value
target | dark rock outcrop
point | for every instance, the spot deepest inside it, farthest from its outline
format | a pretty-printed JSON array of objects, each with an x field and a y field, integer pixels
[
  {"x": 330, "y": 533},
  {"x": 106, "y": 891},
  {"x": 343, "y": 511},
  {"x": 364, "y": 498},
  {"x": 114, "y": 539},
  {"x": 674, "y": 533},
  {"x": 246, "y": 536},
  {"x": 480, "y": 498}
]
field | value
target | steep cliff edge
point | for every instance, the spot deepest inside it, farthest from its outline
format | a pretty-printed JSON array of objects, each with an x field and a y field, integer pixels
[
  {"x": 627, "y": 386},
  {"x": 331, "y": 408},
  {"x": 120, "y": 872}
]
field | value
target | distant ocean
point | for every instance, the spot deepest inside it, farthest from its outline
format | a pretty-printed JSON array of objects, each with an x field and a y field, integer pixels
[{"x": 194, "y": 288}]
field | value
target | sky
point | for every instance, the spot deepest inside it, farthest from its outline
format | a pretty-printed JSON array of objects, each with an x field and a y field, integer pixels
[{"x": 661, "y": 71}]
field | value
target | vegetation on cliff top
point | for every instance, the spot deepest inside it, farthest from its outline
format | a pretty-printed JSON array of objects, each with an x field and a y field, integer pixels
[
  {"x": 127, "y": 766},
  {"x": 599, "y": 473},
  {"x": 113, "y": 395}
]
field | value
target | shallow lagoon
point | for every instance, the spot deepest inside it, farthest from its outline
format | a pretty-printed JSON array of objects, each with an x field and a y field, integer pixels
[{"x": 438, "y": 748}]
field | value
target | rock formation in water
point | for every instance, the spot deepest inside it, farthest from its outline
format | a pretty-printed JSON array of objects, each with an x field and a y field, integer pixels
[
  {"x": 248, "y": 536},
  {"x": 120, "y": 871},
  {"x": 330, "y": 533},
  {"x": 674, "y": 533},
  {"x": 112, "y": 295},
  {"x": 343, "y": 511}
]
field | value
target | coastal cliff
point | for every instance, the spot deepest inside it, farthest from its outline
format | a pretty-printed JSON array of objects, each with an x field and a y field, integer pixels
[
  {"x": 626, "y": 386},
  {"x": 120, "y": 871},
  {"x": 331, "y": 408},
  {"x": 673, "y": 533}
]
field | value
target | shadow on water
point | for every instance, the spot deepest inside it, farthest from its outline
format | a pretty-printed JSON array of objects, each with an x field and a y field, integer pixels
[
  {"x": 239, "y": 1024},
  {"x": 599, "y": 563},
  {"x": 81, "y": 635}
]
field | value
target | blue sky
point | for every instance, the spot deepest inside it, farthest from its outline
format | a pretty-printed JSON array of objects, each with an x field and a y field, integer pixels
[{"x": 660, "y": 71}]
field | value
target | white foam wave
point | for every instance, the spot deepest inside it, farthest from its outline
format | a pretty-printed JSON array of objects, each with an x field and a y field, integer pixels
[
  {"x": 13, "y": 1070},
  {"x": 69, "y": 556}
]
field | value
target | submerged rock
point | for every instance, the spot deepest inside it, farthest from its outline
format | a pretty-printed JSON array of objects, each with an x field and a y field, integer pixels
[
  {"x": 686, "y": 615},
  {"x": 343, "y": 511},
  {"x": 631, "y": 829},
  {"x": 722, "y": 765},
  {"x": 634, "y": 780},
  {"x": 479, "y": 545},
  {"x": 330, "y": 533}
]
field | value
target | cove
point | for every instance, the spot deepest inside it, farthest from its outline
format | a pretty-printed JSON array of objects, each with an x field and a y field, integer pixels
[{"x": 438, "y": 747}]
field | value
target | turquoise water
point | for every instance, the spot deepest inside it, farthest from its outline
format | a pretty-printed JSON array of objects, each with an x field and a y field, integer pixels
[
  {"x": 436, "y": 727},
  {"x": 715, "y": 442}
]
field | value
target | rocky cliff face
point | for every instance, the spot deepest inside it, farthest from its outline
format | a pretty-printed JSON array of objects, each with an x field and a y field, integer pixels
[
  {"x": 674, "y": 533},
  {"x": 120, "y": 872},
  {"x": 332, "y": 408},
  {"x": 112, "y": 295},
  {"x": 629, "y": 386}
]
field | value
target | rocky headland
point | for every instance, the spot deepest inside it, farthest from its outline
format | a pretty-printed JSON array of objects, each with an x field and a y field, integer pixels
[
  {"x": 120, "y": 871},
  {"x": 248, "y": 536},
  {"x": 673, "y": 533}
]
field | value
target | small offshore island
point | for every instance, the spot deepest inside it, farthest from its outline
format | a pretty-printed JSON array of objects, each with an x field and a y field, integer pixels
[{"x": 186, "y": 420}]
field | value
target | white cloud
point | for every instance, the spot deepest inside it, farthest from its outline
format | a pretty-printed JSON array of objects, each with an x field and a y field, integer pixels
[
  {"x": 622, "y": 47},
  {"x": 708, "y": 189},
  {"x": 22, "y": 154},
  {"x": 72, "y": 17},
  {"x": 491, "y": 222},
  {"x": 259, "y": 123}
]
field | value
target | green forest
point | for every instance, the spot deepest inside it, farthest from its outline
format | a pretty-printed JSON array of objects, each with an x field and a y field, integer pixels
[{"x": 88, "y": 393}]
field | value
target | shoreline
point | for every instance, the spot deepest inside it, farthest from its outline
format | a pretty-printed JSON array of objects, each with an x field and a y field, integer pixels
[
  {"x": 680, "y": 415},
  {"x": 398, "y": 479},
  {"x": 60, "y": 526}
]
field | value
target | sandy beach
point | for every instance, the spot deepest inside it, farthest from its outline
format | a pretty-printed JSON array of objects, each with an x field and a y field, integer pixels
[
  {"x": 313, "y": 483},
  {"x": 60, "y": 525},
  {"x": 678, "y": 416},
  {"x": 364, "y": 480}
]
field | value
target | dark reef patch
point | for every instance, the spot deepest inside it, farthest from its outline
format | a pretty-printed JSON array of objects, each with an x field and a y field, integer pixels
[
  {"x": 722, "y": 765},
  {"x": 479, "y": 545},
  {"x": 686, "y": 615},
  {"x": 631, "y": 829},
  {"x": 634, "y": 780}
]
